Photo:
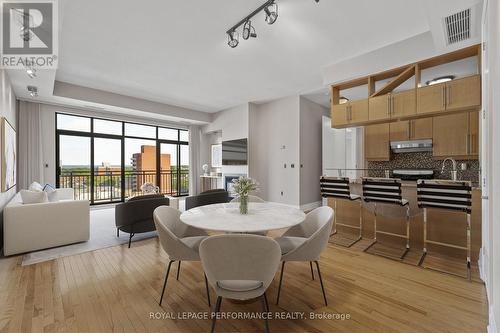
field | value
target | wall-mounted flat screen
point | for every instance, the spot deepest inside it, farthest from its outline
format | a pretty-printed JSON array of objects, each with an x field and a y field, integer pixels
[{"x": 234, "y": 152}]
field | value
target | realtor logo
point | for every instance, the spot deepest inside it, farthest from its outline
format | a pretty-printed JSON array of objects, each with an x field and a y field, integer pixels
[{"x": 29, "y": 34}]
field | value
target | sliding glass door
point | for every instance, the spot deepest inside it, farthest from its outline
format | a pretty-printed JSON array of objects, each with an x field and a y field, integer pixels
[{"x": 107, "y": 161}]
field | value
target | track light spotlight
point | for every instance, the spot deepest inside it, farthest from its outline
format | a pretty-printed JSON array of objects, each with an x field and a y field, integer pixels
[
  {"x": 233, "y": 38},
  {"x": 248, "y": 30},
  {"x": 271, "y": 13},
  {"x": 33, "y": 91}
]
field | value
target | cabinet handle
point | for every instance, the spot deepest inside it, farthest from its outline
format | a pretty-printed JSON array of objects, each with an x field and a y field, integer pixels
[
  {"x": 392, "y": 106},
  {"x": 448, "y": 96},
  {"x": 388, "y": 105},
  {"x": 467, "y": 146},
  {"x": 443, "y": 92},
  {"x": 410, "y": 129}
]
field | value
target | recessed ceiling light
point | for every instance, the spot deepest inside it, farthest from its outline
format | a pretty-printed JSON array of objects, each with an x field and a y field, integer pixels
[{"x": 440, "y": 79}]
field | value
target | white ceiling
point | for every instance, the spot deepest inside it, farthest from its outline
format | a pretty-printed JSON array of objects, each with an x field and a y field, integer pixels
[{"x": 176, "y": 52}]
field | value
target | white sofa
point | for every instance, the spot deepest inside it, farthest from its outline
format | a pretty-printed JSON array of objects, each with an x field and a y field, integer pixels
[{"x": 43, "y": 225}]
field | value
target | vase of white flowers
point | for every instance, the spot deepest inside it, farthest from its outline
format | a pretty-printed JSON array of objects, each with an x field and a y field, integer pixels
[{"x": 242, "y": 187}]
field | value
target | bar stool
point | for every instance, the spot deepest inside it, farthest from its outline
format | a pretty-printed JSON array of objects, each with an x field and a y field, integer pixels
[
  {"x": 386, "y": 191},
  {"x": 339, "y": 188},
  {"x": 447, "y": 195}
]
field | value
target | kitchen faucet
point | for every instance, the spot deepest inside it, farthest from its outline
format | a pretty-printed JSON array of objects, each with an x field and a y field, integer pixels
[{"x": 454, "y": 169}]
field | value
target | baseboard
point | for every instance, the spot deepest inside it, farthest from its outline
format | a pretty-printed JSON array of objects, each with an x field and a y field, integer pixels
[
  {"x": 480, "y": 264},
  {"x": 311, "y": 206},
  {"x": 492, "y": 326}
]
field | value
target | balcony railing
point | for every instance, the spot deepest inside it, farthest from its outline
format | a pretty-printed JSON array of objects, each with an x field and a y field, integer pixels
[{"x": 108, "y": 184}]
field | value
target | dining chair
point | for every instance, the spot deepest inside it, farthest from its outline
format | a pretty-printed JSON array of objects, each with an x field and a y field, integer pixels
[
  {"x": 306, "y": 242},
  {"x": 240, "y": 267},
  {"x": 180, "y": 241},
  {"x": 251, "y": 198}
]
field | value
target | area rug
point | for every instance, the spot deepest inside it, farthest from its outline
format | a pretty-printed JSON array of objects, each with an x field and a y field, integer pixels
[{"x": 102, "y": 235}]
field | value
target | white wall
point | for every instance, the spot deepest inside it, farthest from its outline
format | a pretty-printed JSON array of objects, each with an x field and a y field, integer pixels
[
  {"x": 274, "y": 142},
  {"x": 8, "y": 108},
  {"x": 233, "y": 124},
  {"x": 311, "y": 115},
  {"x": 492, "y": 93}
]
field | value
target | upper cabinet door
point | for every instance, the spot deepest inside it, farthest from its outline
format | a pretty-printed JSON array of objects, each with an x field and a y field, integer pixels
[
  {"x": 379, "y": 107},
  {"x": 421, "y": 129},
  {"x": 451, "y": 135},
  {"x": 358, "y": 111},
  {"x": 403, "y": 104},
  {"x": 340, "y": 115},
  {"x": 377, "y": 142},
  {"x": 463, "y": 93},
  {"x": 431, "y": 99},
  {"x": 399, "y": 131},
  {"x": 474, "y": 133}
]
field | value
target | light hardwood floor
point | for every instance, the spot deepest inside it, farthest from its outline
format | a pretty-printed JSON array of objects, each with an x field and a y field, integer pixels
[{"x": 117, "y": 289}]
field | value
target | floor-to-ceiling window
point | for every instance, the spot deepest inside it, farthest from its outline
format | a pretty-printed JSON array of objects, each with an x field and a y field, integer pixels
[{"x": 108, "y": 161}]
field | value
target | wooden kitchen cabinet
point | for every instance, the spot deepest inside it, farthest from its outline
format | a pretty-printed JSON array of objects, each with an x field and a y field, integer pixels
[
  {"x": 379, "y": 107},
  {"x": 463, "y": 93},
  {"x": 455, "y": 95},
  {"x": 451, "y": 135},
  {"x": 350, "y": 113},
  {"x": 400, "y": 130},
  {"x": 421, "y": 128},
  {"x": 359, "y": 111},
  {"x": 431, "y": 99},
  {"x": 377, "y": 142},
  {"x": 340, "y": 115},
  {"x": 403, "y": 104},
  {"x": 474, "y": 133},
  {"x": 416, "y": 129}
]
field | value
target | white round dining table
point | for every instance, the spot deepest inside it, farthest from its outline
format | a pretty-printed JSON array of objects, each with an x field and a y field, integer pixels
[{"x": 226, "y": 217}]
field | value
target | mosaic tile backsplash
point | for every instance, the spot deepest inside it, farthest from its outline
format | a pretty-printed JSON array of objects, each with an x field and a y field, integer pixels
[{"x": 425, "y": 160}]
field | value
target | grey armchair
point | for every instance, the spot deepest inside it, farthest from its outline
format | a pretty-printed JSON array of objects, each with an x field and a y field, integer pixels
[
  {"x": 179, "y": 241},
  {"x": 136, "y": 215},
  {"x": 240, "y": 267},
  {"x": 207, "y": 198},
  {"x": 306, "y": 242}
]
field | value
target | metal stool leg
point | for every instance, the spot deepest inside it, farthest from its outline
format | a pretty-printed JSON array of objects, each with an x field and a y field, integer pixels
[
  {"x": 469, "y": 277},
  {"x": 374, "y": 227},
  {"x": 334, "y": 218},
  {"x": 407, "y": 231},
  {"x": 425, "y": 239}
]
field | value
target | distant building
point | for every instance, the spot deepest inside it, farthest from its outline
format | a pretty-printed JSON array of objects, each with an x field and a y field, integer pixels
[{"x": 144, "y": 166}]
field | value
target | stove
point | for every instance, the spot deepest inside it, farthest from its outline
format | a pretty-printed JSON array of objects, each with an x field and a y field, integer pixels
[{"x": 413, "y": 174}]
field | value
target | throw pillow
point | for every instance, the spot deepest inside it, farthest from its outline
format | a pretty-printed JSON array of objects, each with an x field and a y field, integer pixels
[
  {"x": 35, "y": 187},
  {"x": 51, "y": 193},
  {"x": 31, "y": 197}
]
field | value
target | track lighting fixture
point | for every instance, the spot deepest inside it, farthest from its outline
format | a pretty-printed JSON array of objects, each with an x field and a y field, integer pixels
[
  {"x": 270, "y": 8},
  {"x": 271, "y": 11},
  {"x": 33, "y": 91},
  {"x": 233, "y": 38},
  {"x": 248, "y": 30}
]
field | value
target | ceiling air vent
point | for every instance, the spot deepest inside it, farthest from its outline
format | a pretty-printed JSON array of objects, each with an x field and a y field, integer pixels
[{"x": 458, "y": 26}]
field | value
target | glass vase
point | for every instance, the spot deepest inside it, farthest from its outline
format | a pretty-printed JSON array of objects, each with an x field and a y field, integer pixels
[{"x": 244, "y": 204}]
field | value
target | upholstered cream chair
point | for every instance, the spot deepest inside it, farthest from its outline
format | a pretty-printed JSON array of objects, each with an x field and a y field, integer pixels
[
  {"x": 179, "y": 240},
  {"x": 251, "y": 198},
  {"x": 306, "y": 242},
  {"x": 240, "y": 267}
]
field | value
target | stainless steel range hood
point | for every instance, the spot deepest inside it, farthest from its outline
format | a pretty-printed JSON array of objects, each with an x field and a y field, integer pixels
[{"x": 413, "y": 146}]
